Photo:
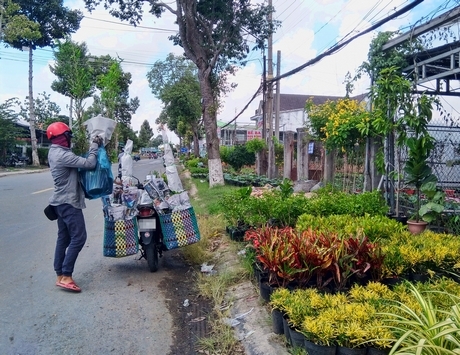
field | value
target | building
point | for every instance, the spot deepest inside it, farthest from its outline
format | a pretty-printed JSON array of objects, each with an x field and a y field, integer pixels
[
  {"x": 237, "y": 133},
  {"x": 292, "y": 110}
]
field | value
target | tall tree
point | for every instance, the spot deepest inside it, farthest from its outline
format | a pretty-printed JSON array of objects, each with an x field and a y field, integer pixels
[
  {"x": 157, "y": 141},
  {"x": 46, "y": 111},
  {"x": 74, "y": 76},
  {"x": 175, "y": 82},
  {"x": 9, "y": 132},
  {"x": 14, "y": 25},
  {"x": 113, "y": 84},
  {"x": 55, "y": 22},
  {"x": 145, "y": 134},
  {"x": 215, "y": 34}
]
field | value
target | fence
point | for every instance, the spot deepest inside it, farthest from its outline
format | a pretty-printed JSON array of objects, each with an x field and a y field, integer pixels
[{"x": 349, "y": 167}]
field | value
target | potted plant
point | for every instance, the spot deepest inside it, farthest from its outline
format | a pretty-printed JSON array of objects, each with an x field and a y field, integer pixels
[
  {"x": 418, "y": 173},
  {"x": 278, "y": 300},
  {"x": 434, "y": 205}
]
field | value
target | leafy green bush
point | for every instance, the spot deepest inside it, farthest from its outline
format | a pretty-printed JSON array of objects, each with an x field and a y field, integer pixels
[
  {"x": 240, "y": 157},
  {"x": 192, "y": 163},
  {"x": 195, "y": 170},
  {"x": 42, "y": 155},
  {"x": 255, "y": 145},
  {"x": 225, "y": 153},
  {"x": 329, "y": 202},
  {"x": 234, "y": 205}
]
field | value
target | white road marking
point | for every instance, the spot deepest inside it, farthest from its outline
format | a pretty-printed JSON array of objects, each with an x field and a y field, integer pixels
[{"x": 39, "y": 192}]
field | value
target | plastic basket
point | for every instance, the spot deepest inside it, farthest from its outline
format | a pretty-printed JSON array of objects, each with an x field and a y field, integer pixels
[
  {"x": 180, "y": 228},
  {"x": 120, "y": 238}
]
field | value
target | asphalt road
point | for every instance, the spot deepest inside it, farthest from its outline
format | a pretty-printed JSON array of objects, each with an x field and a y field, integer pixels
[{"x": 121, "y": 309}]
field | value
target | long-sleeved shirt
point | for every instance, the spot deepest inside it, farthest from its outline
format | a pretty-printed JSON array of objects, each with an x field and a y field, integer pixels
[{"x": 64, "y": 166}]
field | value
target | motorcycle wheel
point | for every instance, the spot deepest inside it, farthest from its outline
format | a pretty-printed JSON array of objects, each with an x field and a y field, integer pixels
[{"x": 151, "y": 254}]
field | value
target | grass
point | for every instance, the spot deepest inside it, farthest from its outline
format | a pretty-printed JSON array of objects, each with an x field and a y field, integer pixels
[
  {"x": 214, "y": 248},
  {"x": 207, "y": 198}
]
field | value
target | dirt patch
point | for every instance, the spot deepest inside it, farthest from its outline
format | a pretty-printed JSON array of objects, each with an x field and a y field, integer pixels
[
  {"x": 192, "y": 190},
  {"x": 190, "y": 311}
]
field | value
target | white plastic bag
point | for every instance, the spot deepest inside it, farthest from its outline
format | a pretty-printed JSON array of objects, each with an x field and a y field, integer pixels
[
  {"x": 100, "y": 126},
  {"x": 126, "y": 159}
]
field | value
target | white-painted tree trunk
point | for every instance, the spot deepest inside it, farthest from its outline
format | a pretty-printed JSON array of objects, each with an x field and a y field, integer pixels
[{"x": 215, "y": 172}]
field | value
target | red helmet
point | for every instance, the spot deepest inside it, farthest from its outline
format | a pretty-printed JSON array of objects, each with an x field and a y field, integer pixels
[{"x": 56, "y": 129}]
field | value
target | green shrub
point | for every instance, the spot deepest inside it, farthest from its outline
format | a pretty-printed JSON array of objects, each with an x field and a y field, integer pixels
[
  {"x": 255, "y": 145},
  {"x": 42, "y": 155},
  {"x": 225, "y": 153},
  {"x": 196, "y": 170},
  {"x": 373, "y": 227},
  {"x": 329, "y": 202},
  {"x": 240, "y": 157},
  {"x": 192, "y": 163}
]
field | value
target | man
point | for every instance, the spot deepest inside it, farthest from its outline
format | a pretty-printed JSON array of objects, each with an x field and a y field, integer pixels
[{"x": 68, "y": 200}]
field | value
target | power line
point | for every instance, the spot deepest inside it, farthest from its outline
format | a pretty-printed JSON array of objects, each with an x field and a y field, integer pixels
[
  {"x": 338, "y": 46},
  {"x": 331, "y": 51},
  {"x": 126, "y": 24}
]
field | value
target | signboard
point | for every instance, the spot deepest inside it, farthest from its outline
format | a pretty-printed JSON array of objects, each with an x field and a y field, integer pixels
[
  {"x": 256, "y": 133},
  {"x": 183, "y": 150}
]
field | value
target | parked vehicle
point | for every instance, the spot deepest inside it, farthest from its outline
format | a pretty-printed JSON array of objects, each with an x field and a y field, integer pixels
[
  {"x": 15, "y": 160},
  {"x": 136, "y": 157},
  {"x": 150, "y": 234},
  {"x": 150, "y": 237}
]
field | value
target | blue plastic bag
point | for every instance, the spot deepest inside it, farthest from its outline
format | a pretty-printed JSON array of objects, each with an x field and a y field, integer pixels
[{"x": 98, "y": 182}]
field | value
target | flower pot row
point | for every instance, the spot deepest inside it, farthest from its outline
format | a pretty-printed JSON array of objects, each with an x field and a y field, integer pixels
[
  {"x": 280, "y": 325},
  {"x": 360, "y": 321}
]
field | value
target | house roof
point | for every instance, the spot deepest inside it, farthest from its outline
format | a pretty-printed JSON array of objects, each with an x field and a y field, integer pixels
[
  {"x": 290, "y": 102},
  {"x": 295, "y": 102}
]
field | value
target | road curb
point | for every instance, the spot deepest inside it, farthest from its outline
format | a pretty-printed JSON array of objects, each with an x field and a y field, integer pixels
[{"x": 22, "y": 171}]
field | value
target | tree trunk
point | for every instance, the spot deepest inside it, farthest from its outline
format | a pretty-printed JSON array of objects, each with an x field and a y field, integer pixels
[
  {"x": 216, "y": 176},
  {"x": 33, "y": 137},
  {"x": 196, "y": 144}
]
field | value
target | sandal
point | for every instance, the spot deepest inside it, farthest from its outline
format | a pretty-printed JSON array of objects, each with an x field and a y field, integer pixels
[{"x": 71, "y": 286}]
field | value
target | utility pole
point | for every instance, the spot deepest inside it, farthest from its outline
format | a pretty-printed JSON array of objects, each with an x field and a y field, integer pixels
[
  {"x": 33, "y": 137},
  {"x": 271, "y": 148},
  {"x": 264, "y": 100},
  {"x": 278, "y": 92}
]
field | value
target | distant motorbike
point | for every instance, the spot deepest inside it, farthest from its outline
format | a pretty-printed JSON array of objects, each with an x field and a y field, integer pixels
[
  {"x": 15, "y": 160},
  {"x": 136, "y": 157}
]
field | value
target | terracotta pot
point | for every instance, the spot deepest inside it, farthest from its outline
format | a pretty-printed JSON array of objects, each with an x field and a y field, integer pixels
[{"x": 416, "y": 227}]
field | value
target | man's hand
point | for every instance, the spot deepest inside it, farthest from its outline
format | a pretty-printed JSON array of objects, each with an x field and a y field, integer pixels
[{"x": 98, "y": 140}]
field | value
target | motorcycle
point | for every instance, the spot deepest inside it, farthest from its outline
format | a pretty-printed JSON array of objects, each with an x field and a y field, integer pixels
[
  {"x": 15, "y": 160},
  {"x": 150, "y": 234}
]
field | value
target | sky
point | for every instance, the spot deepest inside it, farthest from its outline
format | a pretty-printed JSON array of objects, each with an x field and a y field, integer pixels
[{"x": 309, "y": 27}]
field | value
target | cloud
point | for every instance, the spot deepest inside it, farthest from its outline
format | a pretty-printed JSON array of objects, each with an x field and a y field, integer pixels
[{"x": 309, "y": 27}]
